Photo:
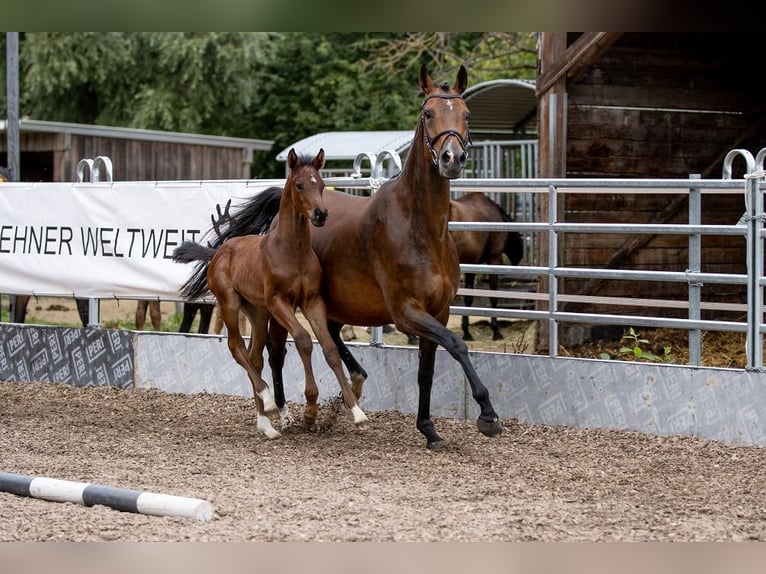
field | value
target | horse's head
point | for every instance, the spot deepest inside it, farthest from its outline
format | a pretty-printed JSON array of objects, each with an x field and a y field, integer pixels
[
  {"x": 306, "y": 186},
  {"x": 444, "y": 119}
]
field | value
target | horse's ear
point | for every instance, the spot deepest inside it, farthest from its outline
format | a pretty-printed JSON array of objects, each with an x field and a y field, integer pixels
[
  {"x": 426, "y": 83},
  {"x": 461, "y": 82},
  {"x": 292, "y": 159},
  {"x": 318, "y": 162}
]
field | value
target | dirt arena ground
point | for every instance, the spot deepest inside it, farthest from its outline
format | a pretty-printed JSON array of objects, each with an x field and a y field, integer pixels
[
  {"x": 334, "y": 483},
  {"x": 533, "y": 483}
]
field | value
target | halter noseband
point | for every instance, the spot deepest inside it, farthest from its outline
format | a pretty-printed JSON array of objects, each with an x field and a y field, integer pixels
[{"x": 429, "y": 140}]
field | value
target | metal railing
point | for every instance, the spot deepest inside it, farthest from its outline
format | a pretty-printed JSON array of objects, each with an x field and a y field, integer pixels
[{"x": 750, "y": 226}]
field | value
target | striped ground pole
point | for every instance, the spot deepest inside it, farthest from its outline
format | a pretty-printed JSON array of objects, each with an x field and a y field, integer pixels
[{"x": 89, "y": 494}]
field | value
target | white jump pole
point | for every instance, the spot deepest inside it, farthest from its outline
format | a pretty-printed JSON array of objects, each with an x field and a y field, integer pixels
[{"x": 88, "y": 494}]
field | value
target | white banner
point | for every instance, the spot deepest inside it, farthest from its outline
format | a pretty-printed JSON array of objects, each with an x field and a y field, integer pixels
[{"x": 105, "y": 240}]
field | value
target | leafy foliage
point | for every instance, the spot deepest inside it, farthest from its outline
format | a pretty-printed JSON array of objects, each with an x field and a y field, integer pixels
[{"x": 279, "y": 86}]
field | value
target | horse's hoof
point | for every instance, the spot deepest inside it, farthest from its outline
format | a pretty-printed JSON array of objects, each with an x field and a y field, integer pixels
[
  {"x": 467, "y": 337},
  {"x": 439, "y": 444},
  {"x": 497, "y": 337},
  {"x": 363, "y": 426},
  {"x": 489, "y": 428}
]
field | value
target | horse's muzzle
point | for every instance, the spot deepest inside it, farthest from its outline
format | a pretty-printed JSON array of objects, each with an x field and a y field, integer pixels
[
  {"x": 319, "y": 217},
  {"x": 451, "y": 161}
]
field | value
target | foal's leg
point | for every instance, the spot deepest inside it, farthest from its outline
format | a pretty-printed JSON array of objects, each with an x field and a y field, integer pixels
[
  {"x": 283, "y": 312},
  {"x": 259, "y": 320},
  {"x": 470, "y": 280},
  {"x": 411, "y": 317},
  {"x": 357, "y": 374},
  {"x": 229, "y": 306},
  {"x": 317, "y": 317}
]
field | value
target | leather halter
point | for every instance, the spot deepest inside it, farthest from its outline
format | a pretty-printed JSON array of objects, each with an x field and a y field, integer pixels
[{"x": 429, "y": 140}]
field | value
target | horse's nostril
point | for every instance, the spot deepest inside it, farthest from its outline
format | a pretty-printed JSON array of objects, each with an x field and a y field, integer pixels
[
  {"x": 463, "y": 158},
  {"x": 446, "y": 157}
]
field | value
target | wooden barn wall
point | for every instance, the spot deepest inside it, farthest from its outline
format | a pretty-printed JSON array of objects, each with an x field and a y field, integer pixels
[
  {"x": 656, "y": 106},
  {"x": 147, "y": 160}
]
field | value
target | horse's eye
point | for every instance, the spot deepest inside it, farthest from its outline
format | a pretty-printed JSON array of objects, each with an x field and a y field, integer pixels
[
  {"x": 467, "y": 116},
  {"x": 428, "y": 114},
  {"x": 299, "y": 185}
]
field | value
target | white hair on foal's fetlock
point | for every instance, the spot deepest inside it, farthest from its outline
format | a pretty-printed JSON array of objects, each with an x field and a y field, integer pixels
[
  {"x": 264, "y": 425},
  {"x": 268, "y": 401},
  {"x": 359, "y": 417}
]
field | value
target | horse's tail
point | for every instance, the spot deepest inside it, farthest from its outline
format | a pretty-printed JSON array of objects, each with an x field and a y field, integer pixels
[
  {"x": 514, "y": 244},
  {"x": 195, "y": 286},
  {"x": 254, "y": 217}
]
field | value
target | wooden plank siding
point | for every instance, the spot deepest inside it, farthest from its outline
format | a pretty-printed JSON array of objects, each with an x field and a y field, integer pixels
[
  {"x": 655, "y": 105},
  {"x": 50, "y": 151}
]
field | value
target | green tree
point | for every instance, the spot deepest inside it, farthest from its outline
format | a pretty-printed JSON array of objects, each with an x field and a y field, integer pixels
[
  {"x": 279, "y": 86},
  {"x": 194, "y": 82}
]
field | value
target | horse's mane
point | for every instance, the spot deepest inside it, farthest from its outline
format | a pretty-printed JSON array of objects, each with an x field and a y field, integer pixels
[{"x": 254, "y": 217}]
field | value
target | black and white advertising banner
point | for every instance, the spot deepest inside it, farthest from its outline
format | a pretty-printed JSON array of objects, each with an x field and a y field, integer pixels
[{"x": 105, "y": 240}]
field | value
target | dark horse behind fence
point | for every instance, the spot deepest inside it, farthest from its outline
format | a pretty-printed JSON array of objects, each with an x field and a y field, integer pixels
[
  {"x": 483, "y": 247},
  {"x": 389, "y": 258},
  {"x": 267, "y": 276}
]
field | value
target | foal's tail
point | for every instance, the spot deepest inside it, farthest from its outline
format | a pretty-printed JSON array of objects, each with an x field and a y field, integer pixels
[
  {"x": 514, "y": 244},
  {"x": 195, "y": 286}
]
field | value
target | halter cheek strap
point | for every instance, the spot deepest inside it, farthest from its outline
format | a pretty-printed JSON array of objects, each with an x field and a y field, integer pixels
[{"x": 429, "y": 140}]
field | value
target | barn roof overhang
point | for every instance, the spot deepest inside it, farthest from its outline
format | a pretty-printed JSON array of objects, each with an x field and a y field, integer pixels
[
  {"x": 27, "y": 125},
  {"x": 502, "y": 108},
  {"x": 348, "y": 145}
]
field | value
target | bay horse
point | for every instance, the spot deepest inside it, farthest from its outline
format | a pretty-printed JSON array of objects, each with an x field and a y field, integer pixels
[
  {"x": 268, "y": 276},
  {"x": 483, "y": 247},
  {"x": 389, "y": 257}
]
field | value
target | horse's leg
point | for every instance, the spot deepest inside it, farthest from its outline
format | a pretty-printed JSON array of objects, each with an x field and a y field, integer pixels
[
  {"x": 218, "y": 323},
  {"x": 190, "y": 310},
  {"x": 496, "y": 334},
  {"x": 470, "y": 281},
  {"x": 258, "y": 317},
  {"x": 425, "y": 381},
  {"x": 205, "y": 315},
  {"x": 412, "y": 318},
  {"x": 229, "y": 304},
  {"x": 357, "y": 374},
  {"x": 317, "y": 316},
  {"x": 276, "y": 349},
  {"x": 20, "y": 308},
  {"x": 155, "y": 314},
  {"x": 83, "y": 311},
  {"x": 284, "y": 313},
  {"x": 141, "y": 315}
]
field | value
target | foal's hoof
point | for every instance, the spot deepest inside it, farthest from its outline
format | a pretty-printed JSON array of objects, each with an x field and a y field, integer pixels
[{"x": 489, "y": 428}]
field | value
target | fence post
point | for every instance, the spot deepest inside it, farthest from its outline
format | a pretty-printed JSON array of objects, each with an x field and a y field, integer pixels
[
  {"x": 695, "y": 266},
  {"x": 553, "y": 330},
  {"x": 93, "y": 169},
  {"x": 752, "y": 218}
]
